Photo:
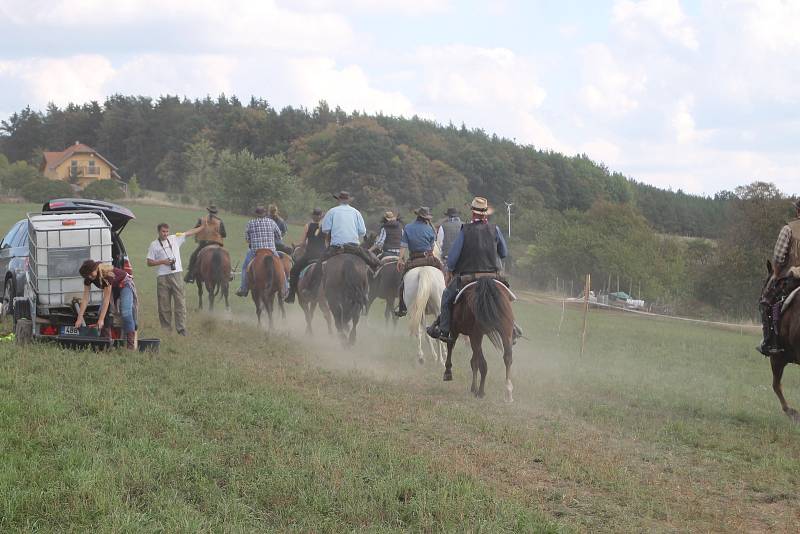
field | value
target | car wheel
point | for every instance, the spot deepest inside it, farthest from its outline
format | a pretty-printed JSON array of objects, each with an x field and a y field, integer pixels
[
  {"x": 23, "y": 331},
  {"x": 7, "y": 307}
]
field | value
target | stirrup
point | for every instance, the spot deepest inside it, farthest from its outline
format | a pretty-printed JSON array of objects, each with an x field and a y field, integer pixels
[{"x": 241, "y": 292}]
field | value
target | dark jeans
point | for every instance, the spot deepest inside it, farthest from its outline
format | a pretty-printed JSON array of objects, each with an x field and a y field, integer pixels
[
  {"x": 448, "y": 296},
  {"x": 356, "y": 250}
]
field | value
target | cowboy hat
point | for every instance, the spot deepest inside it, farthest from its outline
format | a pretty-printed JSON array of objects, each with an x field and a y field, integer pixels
[
  {"x": 423, "y": 212},
  {"x": 260, "y": 211},
  {"x": 481, "y": 205},
  {"x": 342, "y": 196},
  {"x": 389, "y": 216},
  {"x": 212, "y": 209},
  {"x": 451, "y": 212}
]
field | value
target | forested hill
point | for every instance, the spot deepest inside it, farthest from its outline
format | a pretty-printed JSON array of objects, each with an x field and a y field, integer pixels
[{"x": 384, "y": 161}]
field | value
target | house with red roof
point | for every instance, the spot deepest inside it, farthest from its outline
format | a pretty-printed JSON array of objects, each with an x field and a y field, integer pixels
[{"x": 79, "y": 165}]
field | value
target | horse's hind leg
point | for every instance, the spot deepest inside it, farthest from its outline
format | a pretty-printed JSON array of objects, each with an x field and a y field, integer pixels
[
  {"x": 478, "y": 364},
  {"x": 280, "y": 305},
  {"x": 778, "y": 364},
  {"x": 200, "y": 293},
  {"x": 210, "y": 291},
  {"x": 508, "y": 359},
  {"x": 225, "y": 286}
]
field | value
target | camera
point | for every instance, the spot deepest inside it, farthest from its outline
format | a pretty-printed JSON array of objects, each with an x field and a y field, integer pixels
[{"x": 172, "y": 264}]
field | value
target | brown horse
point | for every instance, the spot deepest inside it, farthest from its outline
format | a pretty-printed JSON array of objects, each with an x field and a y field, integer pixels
[
  {"x": 287, "y": 261},
  {"x": 266, "y": 279},
  {"x": 790, "y": 336},
  {"x": 311, "y": 294},
  {"x": 213, "y": 270},
  {"x": 346, "y": 283},
  {"x": 484, "y": 309}
]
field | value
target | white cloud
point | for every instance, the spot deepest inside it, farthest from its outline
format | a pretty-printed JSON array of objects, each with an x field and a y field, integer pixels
[
  {"x": 404, "y": 7},
  {"x": 665, "y": 17},
  {"x": 611, "y": 89},
  {"x": 76, "y": 79},
  {"x": 490, "y": 88},
  {"x": 315, "y": 79}
]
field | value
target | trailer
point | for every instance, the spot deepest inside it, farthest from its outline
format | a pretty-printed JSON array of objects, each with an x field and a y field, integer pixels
[{"x": 59, "y": 242}]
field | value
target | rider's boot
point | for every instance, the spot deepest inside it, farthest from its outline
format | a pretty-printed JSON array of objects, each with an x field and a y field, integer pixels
[
  {"x": 188, "y": 278},
  {"x": 290, "y": 296},
  {"x": 241, "y": 292}
]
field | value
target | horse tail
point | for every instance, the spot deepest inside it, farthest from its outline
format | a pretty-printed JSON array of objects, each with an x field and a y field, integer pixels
[
  {"x": 490, "y": 308},
  {"x": 354, "y": 284},
  {"x": 420, "y": 303},
  {"x": 216, "y": 269},
  {"x": 269, "y": 271}
]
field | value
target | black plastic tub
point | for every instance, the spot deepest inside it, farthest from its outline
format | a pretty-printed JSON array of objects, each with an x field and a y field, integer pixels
[{"x": 149, "y": 345}]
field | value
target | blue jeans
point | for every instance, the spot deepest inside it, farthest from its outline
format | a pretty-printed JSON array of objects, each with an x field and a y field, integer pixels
[
  {"x": 247, "y": 259},
  {"x": 126, "y": 310},
  {"x": 448, "y": 296}
]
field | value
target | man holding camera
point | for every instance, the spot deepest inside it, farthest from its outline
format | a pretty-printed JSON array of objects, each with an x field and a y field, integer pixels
[{"x": 165, "y": 253}]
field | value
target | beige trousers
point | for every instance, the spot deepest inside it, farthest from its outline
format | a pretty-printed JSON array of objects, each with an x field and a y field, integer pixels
[{"x": 171, "y": 298}]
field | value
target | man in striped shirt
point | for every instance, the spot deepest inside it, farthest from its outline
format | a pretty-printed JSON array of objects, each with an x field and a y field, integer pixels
[
  {"x": 261, "y": 232},
  {"x": 785, "y": 256}
]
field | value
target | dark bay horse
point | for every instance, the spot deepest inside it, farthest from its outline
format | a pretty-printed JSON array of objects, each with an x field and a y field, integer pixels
[
  {"x": 213, "y": 270},
  {"x": 383, "y": 285},
  {"x": 346, "y": 284},
  {"x": 484, "y": 309},
  {"x": 790, "y": 337},
  {"x": 266, "y": 279}
]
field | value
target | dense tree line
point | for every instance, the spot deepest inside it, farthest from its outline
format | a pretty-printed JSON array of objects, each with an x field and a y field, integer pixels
[
  {"x": 385, "y": 161},
  {"x": 571, "y": 215}
]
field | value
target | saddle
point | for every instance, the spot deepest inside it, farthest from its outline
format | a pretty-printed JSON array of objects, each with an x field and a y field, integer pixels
[
  {"x": 423, "y": 260},
  {"x": 500, "y": 283}
]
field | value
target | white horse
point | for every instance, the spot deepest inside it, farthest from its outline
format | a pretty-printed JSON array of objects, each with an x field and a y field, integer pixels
[{"x": 423, "y": 288}]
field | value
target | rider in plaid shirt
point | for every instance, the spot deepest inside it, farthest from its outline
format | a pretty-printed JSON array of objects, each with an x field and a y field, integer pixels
[{"x": 261, "y": 232}]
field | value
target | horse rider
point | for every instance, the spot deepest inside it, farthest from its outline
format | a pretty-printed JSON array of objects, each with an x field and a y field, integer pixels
[
  {"x": 260, "y": 232},
  {"x": 344, "y": 227},
  {"x": 314, "y": 244},
  {"x": 785, "y": 261},
  {"x": 474, "y": 253},
  {"x": 416, "y": 246},
  {"x": 212, "y": 234},
  {"x": 448, "y": 231},
  {"x": 275, "y": 216},
  {"x": 388, "y": 242}
]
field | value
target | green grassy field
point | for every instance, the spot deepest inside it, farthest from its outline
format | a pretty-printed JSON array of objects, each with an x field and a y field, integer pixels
[{"x": 659, "y": 427}]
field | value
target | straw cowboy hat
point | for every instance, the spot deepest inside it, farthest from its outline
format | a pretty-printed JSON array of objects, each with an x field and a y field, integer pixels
[
  {"x": 343, "y": 196},
  {"x": 481, "y": 206},
  {"x": 260, "y": 211},
  {"x": 423, "y": 212},
  {"x": 389, "y": 216}
]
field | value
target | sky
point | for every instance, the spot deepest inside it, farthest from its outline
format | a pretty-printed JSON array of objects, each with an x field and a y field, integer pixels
[{"x": 700, "y": 96}]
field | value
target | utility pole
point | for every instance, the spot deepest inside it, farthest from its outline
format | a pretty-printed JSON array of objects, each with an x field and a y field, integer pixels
[{"x": 508, "y": 209}]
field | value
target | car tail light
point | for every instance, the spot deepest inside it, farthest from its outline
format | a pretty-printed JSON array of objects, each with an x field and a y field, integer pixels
[
  {"x": 126, "y": 266},
  {"x": 48, "y": 330},
  {"x": 56, "y": 204}
]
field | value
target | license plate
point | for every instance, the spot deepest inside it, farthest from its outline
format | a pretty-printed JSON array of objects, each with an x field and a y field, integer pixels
[{"x": 70, "y": 330}]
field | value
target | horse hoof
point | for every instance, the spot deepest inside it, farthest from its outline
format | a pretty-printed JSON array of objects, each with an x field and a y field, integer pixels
[
  {"x": 421, "y": 361},
  {"x": 792, "y": 414},
  {"x": 448, "y": 376},
  {"x": 508, "y": 398}
]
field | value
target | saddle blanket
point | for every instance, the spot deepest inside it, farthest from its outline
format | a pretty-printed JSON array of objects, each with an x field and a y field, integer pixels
[{"x": 510, "y": 293}]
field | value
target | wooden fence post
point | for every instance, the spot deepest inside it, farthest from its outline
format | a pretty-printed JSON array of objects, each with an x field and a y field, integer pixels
[{"x": 586, "y": 289}]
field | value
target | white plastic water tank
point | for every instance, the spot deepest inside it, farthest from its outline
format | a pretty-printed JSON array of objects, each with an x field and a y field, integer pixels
[{"x": 59, "y": 243}]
